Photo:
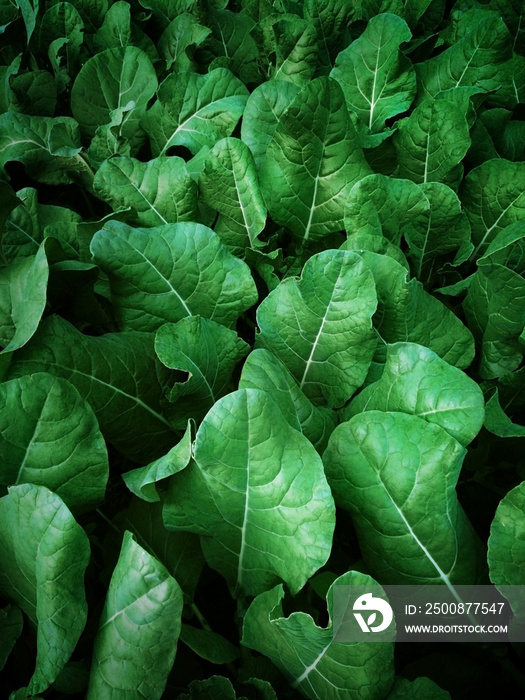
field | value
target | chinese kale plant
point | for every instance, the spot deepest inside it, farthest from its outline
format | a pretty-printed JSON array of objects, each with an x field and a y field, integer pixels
[{"x": 262, "y": 310}]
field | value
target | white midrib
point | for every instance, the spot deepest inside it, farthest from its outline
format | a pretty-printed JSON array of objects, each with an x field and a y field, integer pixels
[
  {"x": 442, "y": 575},
  {"x": 186, "y": 307},
  {"x": 316, "y": 341},
  {"x": 312, "y": 666},
  {"x": 150, "y": 204},
  {"x": 372, "y": 101},
  {"x": 240, "y": 569},
  {"x": 312, "y": 208},
  {"x": 489, "y": 230}
]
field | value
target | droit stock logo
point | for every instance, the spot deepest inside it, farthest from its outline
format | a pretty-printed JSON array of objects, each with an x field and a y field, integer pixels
[{"x": 367, "y": 603}]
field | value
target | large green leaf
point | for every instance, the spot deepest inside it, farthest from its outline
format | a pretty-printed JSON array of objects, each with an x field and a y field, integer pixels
[
  {"x": 116, "y": 373},
  {"x": 493, "y": 196},
  {"x": 160, "y": 191},
  {"x": 330, "y": 19},
  {"x": 378, "y": 81},
  {"x": 478, "y": 57},
  {"x": 258, "y": 494},
  {"x": 311, "y": 162},
  {"x": 396, "y": 474},
  {"x": 232, "y": 44},
  {"x": 50, "y": 436},
  {"x": 415, "y": 380},
  {"x": 115, "y": 81},
  {"x": 431, "y": 141},
  {"x": 137, "y": 637},
  {"x": 506, "y": 553},
  {"x": 169, "y": 272},
  {"x": 48, "y": 147},
  {"x": 406, "y": 312},
  {"x": 264, "y": 108},
  {"x": 320, "y": 326},
  {"x": 195, "y": 110},
  {"x": 43, "y": 556},
  {"x": 179, "y": 35},
  {"x": 265, "y": 371},
  {"x": 306, "y": 654},
  {"x": 208, "y": 353},
  {"x": 229, "y": 185},
  {"x": 23, "y": 286}
]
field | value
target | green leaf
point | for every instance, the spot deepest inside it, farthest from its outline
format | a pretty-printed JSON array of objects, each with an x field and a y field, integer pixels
[
  {"x": 43, "y": 556},
  {"x": 29, "y": 12},
  {"x": 208, "y": 353},
  {"x": 290, "y": 44},
  {"x": 34, "y": 93},
  {"x": 22, "y": 299},
  {"x": 116, "y": 80},
  {"x": 420, "y": 689},
  {"x": 447, "y": 230},
  {"x": 405, "y": 312},
  {"x": 228, "y": 184},
  {"x": 506, "y": 545},
  {"x": 169, "y": 272},
  {"x": 179, "y": 35},
  {"x": 311, "y": 163},
  {"x": 264, "y": 371},
  {"x": 493, "y": 196},
  {"x": 306, "y": 654},
  {"x": 209, "y": 645},
  {"x": 232, "y": 45},
  {"x": 396, "y": 474},
  {"x": 213, "y": 688},
  {"x": 11, "y": 623},
  {"x": 49, "y": 436},
  {"x": 264, "y": 108},
  {"x": 137, "y": 636},
  {"x": 381, "y": 206},
  {"x": 416, "y": 381},
  {"x": 431, "y": 141},
  {"x": 142, "y": 481},
  {"x": 330, "y": 19},
  {"x": 320, "y": 326},
  {"x": 378, "y": 81},
  {"x": 179, "y": 552},
  {"x": 478, "y": 58},
  {"x": 257, "y": 491},
  {"x": 194, "y": 110},
  {"x": 116, "y": 373},
  {"x": 47, "y": 147},
  {"x": 116, "y": 28},
  {"x": 497, "y": 421},
  {"x": 161, "y": 190}
]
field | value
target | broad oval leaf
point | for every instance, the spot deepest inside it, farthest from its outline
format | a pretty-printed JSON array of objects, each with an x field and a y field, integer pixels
[
  {"x": 23, "y": 287},
  {"x": 49, "y": 436},
  {"x": 396, "y": 474},
  {"x": 378, "y": 81},
  {"x": 415, "y": 380},
  {"x": 311, "y": 162},
  {"x": 169, "y": 272},
  {"x": 195, "y": 110},
  {"x": 307, "y": 655},
  {"x": 292, "y": 44},
  {"x": 161, "y": 191},
  {"x": 258, "y": 494},
  {"x": 117, "y": 373},
  {"x": 115, "y": 81},
  {"x": 139, "y": 628},
  {"x": 43, "y": 556},
  {"x": 320, "y": 326}
]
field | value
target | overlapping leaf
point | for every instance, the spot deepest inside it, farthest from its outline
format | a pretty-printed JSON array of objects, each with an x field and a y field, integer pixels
[
  {"x": 44, "y": 554},
  {"x": 166, "y": 273}
]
